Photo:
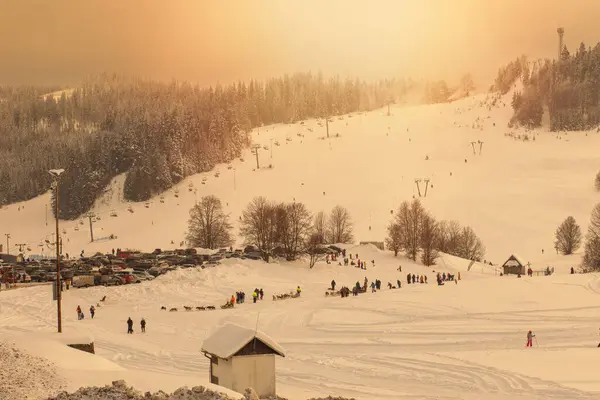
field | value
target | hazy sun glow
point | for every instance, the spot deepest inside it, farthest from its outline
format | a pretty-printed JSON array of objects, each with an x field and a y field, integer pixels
[{"x": 211, "y": 40}]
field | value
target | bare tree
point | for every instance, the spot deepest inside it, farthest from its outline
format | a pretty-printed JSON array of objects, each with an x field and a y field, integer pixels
[
  {"x": 470, "y": 246},
  {"x": 340, "y": 229},
  {"x": 568, "y": 236},
  {"x": 320, "y": 224},
  {"x": 208, "y": 226},
  {"x": 417, "y": 212},
  {"x": 591, "y": 257},
  {"x": 406, "y": 228},
  {"x": 259, "y": 225},
  {"x": 295, "y": 229},
  {"x": 449, "y": 233},
  {"x": 394, "y": 239},
  {"x": 315, "y": 249},
  {"x": 429, "y": 237}
]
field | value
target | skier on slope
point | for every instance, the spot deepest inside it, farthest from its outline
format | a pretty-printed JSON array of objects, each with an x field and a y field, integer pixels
[
  {"x": 530, "y": 336},
  {"x": 333, "y": 284},
  {"x": 143, "y": 325}
]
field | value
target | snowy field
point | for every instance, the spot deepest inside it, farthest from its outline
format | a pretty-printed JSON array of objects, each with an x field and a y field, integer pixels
[{"x": 463, "y": 341}]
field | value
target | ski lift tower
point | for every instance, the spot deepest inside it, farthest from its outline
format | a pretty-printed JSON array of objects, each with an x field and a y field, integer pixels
[{"x": 561, "y": 32}]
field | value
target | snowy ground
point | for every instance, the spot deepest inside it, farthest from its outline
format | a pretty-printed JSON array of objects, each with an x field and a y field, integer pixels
[{"x": 460, "y": 341}]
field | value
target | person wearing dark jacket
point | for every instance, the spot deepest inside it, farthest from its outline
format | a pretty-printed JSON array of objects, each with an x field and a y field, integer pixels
[
  {"x": 333, "y": 285},
  {"x": 129, "y": 326},
  {"x": 408, "y": 278},
  {"x": 143, "y": 325}
]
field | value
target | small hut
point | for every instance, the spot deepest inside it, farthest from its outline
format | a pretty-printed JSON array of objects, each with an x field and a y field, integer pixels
[
  {"x": 242, "y": 358},
  {"x": 514, "y": 266}
]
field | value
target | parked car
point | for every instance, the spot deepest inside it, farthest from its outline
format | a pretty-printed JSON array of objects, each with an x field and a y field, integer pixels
[
  {"x": 143, "y": 276},
  {"x": 111, "y": 280},
  {"x": 83, "y": 281}
]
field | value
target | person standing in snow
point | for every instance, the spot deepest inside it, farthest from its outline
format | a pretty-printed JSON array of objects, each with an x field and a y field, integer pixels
[
  {"x": 129, "y": 326},
  {"x": 232, "y": 300},
  {"x": 254, "y": 296},
  {"x": 261, "y": 293},
  {"x": 530, "y": 336},
  {"x": 143, "y": 325},
  {"x": 372, "y": 287},
  {"x": 92, "y": 311},
  {"x": 333, "y": 284},
  {"x": 79, "y": 313},
  {"x": 298, "y": 290}
]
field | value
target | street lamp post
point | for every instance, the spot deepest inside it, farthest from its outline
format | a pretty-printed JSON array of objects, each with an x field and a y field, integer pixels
[{"x": 56, "y": 174}]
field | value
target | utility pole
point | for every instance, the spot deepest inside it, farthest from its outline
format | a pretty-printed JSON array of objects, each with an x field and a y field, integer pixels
[
  {"x": 256, "y": 147},
  {"x": 91, "y": 215},
  {"x": 417, "y": 181},
  {"x": 46, "y": 213},
  {"x": 271, "y": 148},
  {"x": 56, "y": 174},
  {"x": 7, "y": 242},
  {"x": 480, "y": 146},
  {"x": 327, "y": 126},
  {"x": 426, "y": 186},
  {"x": 21, "y": 245},
  {"x": 473, "y": 146}
]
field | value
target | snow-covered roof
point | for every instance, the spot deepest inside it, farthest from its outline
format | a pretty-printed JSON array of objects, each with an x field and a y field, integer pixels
[
  {"x": 231, "y": 338},
  {"x": 516, "y": 257}
]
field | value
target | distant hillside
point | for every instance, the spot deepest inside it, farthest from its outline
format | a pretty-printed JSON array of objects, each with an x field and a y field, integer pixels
[
  {"x": 157, "y": 133},
  {"x": 567, "y": 89}
]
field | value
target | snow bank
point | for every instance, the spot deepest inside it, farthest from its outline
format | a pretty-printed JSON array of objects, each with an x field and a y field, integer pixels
[
  {"x": 119, "y": 390},
  {"x": 23, "y": 376}
]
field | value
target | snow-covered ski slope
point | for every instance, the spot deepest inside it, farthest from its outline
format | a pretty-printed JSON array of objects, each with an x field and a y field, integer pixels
[
  {"x": 460, "y": 341},
  {"x": 514, "y": 194}
]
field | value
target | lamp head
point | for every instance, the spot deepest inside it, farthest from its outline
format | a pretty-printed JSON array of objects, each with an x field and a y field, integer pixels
[{"x": 56, "y": 172}]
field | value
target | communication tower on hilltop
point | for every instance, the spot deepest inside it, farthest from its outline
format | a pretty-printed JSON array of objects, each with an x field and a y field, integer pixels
[{"x": 561, "y": 33}]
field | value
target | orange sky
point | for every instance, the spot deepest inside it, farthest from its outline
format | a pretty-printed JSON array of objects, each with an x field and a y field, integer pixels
[{"x": 206, "y": 41}]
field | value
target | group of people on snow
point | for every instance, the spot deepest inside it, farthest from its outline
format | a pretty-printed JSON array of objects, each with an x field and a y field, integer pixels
[
  {"x": 412, "y": 278},
  {"x": 130, "y": 325},
  {"x": 80, "y": 314}
]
